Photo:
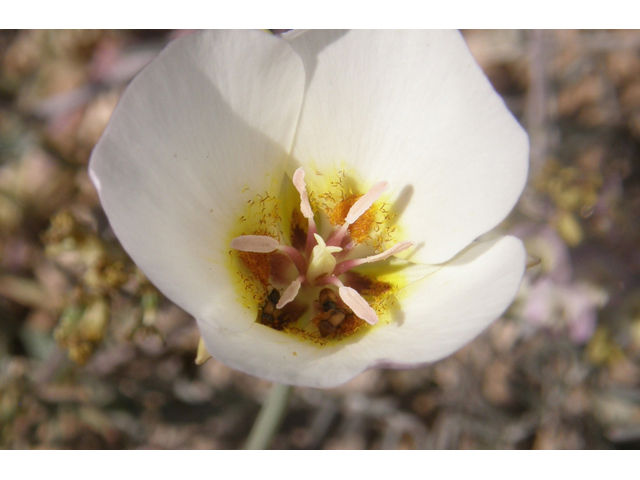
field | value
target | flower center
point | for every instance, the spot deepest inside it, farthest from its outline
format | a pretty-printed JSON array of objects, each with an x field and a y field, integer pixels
[
  {"x": 312, "y": 287},
  {"x": 322, "y": 262}
]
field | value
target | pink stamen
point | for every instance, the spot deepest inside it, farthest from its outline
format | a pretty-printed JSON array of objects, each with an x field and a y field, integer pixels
[
  {"x": 364, "y": 202},
  {"x": 345, "y": 251},
  {"x": 266, "y": 244},
  {"x": 254, "y": 243},
  {"x": 329, "y": 280},
  {"x": 305, "y": 208},
  {"x": 291, "y": 291},
  {"x": 357, "y": 210},
  {"x": 298, "y": 260},
  {"x": 349, "y": 264},
  {"x": 311, "y": 239},
  {"x": 301, "y": 186},
  {"x": 338, "y": 235},
  {"x": 358, "y": 304},
  {"x": 352, "y": 299}
]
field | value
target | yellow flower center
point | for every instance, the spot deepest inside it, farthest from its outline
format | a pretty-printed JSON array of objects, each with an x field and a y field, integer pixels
[{"x": 301, "y": 259}]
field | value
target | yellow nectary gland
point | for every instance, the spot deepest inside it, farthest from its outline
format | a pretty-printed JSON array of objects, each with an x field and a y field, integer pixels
[{"x": 302, "y": 296}]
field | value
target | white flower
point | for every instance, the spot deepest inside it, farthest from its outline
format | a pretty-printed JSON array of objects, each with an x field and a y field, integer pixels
[{"x": 232, "y": 149}]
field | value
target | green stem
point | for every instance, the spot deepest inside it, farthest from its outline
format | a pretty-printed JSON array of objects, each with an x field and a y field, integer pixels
[{"x": 269, "y": 418}]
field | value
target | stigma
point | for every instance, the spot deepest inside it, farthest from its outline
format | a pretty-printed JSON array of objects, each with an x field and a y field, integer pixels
[{"x": 316, "y": 280}]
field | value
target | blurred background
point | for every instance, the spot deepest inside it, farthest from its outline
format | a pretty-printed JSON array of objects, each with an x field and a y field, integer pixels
[{"x": 93, "y": 356}]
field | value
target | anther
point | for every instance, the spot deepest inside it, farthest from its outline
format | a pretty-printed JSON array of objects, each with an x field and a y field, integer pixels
[
  {"x": 358, "y": 304},
  {"x": 266, "y": 244},
  {"x": 254, "y": 243},
  {"x": 301, "y": 186},
  {"x": 305, "y": 208},
  {"x": 364, "y": 202},
  {"x": 357, "y": 210},
  {"x": 291, "y": 291}
]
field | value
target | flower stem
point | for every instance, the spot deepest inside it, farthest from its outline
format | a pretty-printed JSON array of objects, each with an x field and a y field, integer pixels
[{"x": 269, "y": 418}]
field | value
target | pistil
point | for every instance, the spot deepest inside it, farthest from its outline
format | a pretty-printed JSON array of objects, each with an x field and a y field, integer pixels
[{"x": 322, "y": 261}]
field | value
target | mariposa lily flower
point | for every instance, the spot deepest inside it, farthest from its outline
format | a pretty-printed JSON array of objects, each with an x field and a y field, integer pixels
[{"x": 314, "y": 200}]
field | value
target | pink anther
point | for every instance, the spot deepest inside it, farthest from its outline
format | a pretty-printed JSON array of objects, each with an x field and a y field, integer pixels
[{"x": 254, "y": 243}]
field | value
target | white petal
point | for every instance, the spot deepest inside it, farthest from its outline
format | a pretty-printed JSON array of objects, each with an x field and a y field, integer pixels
[
  {"x": 443, "y": 311},
  {"x": 194, "y": 136},
  {"x": 450, "y": 307},
  {"x": 414, "y": 109}
]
